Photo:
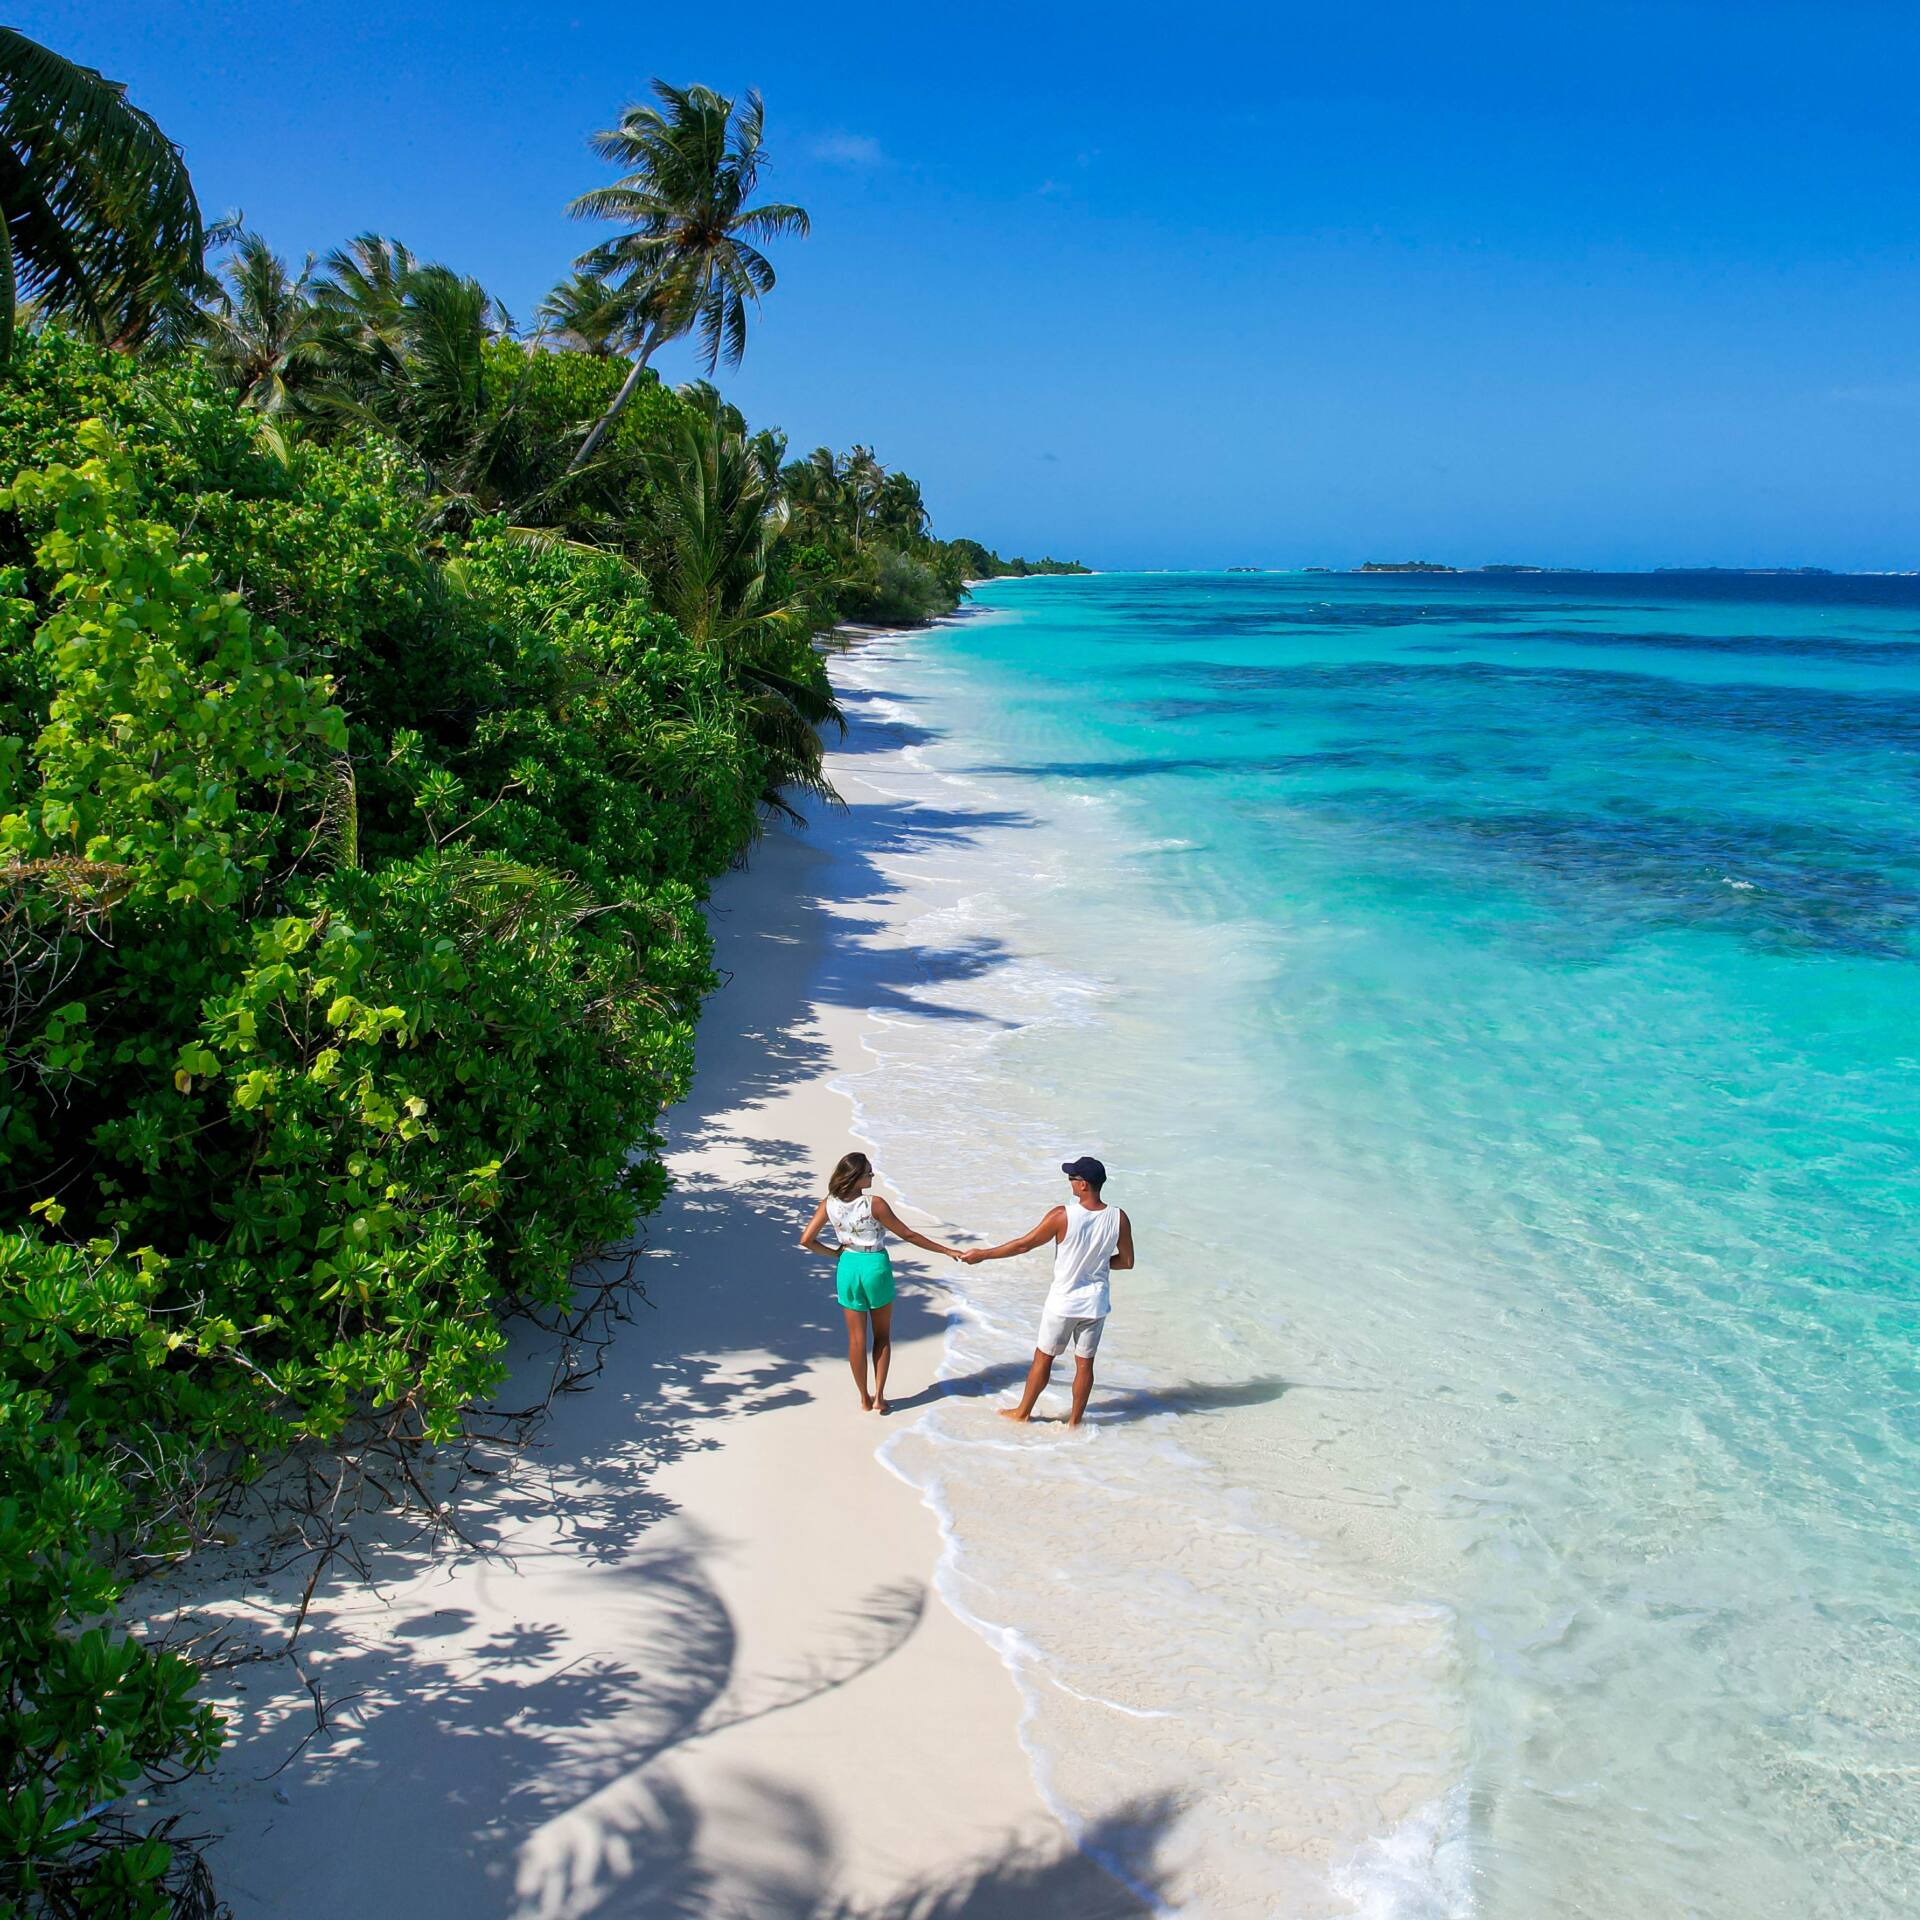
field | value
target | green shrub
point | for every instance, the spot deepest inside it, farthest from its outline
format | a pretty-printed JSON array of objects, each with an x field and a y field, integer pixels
[
  {"x": 902, "y": 590},
  {"x": 158, "y": 794}
]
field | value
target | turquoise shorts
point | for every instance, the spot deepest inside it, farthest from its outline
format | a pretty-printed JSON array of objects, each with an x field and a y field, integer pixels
[{"x": 864, "y": 1280}]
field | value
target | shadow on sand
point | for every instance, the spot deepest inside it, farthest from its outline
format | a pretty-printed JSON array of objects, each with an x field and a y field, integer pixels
[
  {"x": 1188, "y": 1397},
  {"x": 501, "y": 1771}
]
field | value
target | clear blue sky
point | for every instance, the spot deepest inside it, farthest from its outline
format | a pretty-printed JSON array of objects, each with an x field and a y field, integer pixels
[{"x": 1591, "y": 284}]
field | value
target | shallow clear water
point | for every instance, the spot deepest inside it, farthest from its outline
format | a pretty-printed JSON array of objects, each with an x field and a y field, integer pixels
[{"x": 1498, "y": 1002}]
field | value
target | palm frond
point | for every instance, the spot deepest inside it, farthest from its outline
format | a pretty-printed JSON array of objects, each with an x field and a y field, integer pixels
[
  {"x": 544, "y": 540},
  {"x": 102, "y": 223},
  {"x": 816, "y": 708}
]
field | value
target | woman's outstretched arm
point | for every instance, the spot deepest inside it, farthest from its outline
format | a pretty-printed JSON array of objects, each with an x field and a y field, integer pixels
[
  {"x": 810, "y": 1240},
  {"x": 895, "y": 1225}
]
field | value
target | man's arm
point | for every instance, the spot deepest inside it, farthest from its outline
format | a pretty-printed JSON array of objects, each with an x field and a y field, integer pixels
[
  {"x": 1048, "y": 1229},
  {"x": 1123, "y": 1253}
]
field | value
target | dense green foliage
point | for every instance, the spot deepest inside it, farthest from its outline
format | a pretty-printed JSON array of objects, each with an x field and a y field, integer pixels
[
  {"x": 350, "y": 951},
  {"x": 381, "y": 691},
  {"x": 857, "y": 545}
]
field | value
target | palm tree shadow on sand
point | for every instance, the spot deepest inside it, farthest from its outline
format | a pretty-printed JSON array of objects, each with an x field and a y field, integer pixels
[
  {"x": 1023, "y": 1883},
  {"x": 1029, "y": 1885}
]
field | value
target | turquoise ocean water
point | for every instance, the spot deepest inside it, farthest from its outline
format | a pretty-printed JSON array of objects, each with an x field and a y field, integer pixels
[{"x": 1499, "y": 1002}]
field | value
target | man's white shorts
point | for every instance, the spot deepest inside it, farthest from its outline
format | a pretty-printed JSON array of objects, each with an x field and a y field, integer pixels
[{"x": 1057, "y": 1334}]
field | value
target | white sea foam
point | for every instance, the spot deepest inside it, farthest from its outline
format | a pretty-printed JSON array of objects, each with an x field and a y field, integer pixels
[{"x": 1422, "y": 1870}]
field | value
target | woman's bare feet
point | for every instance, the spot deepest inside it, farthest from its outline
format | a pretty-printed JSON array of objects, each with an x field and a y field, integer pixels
[
  {"x": 866, "y": 1401},
  {"x": 1013, "y": 1413},
  {"x": 880, "y": 1405}
]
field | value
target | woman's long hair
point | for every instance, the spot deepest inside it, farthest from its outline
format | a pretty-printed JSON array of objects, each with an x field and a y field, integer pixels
[{"x": 853, "y": 1168}]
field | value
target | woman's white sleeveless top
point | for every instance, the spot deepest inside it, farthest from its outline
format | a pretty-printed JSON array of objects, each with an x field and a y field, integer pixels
[
  {"x": 854, "y": 1225},
  {"x": 1081, "y": 1262}
]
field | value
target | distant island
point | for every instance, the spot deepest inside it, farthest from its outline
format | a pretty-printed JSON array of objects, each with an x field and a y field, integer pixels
[
  {"x": 982, "y": 563},
  {"x": 1437, "y": 566},
  {"x": 1513, "y": 567}
]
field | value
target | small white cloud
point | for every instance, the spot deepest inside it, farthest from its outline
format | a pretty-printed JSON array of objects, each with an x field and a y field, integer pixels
[
  {"x": 850, "y": 150},
  {"x": 1051, "y": 187}
]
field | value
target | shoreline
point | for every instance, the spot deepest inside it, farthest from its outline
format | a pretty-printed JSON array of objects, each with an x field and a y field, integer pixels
[
  {"x": 1096, "y": 1564},
  {"x": 693, "y": 1659}
]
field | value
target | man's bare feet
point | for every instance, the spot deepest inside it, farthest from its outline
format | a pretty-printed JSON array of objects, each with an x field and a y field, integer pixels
[{"x": 1012, "y": 1413}]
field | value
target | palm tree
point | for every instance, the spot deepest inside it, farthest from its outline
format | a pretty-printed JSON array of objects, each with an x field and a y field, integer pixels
[
  {"x": 686, "y": 257},
  {"x": 441, "y": 398},
  {"x": 812, "y": 488},
  {"x": 262, "y": 329},
  {"x": 587, "y": 314},
  {"x": 360, "y": 305},
  {"x": 898, "y": 507},
  {"x": 719, "y": 509},
  {"x": 402, "y": 348},
  {"x": 863, "y": 477},
  {"x": 98, "y": 219},
  {"x": 404, "y": 342}
]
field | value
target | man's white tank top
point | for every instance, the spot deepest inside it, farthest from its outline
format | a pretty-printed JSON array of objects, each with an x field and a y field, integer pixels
[
  {"x": 854, "y": 1225},
  {"x": 1081, "y": 1262}
]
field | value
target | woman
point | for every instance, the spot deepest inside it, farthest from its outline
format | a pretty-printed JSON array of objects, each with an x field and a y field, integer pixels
[{"x": 864, "y": 1274}]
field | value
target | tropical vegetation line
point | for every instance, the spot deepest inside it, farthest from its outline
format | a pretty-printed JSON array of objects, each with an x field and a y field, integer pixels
[{"x": 383, "y": 684}]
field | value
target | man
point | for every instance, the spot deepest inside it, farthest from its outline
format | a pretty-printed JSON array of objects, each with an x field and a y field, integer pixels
[{"x": 1089, "y": 1237}]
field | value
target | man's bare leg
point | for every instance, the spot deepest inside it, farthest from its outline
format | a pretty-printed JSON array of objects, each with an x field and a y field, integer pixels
[
  {"x": 1036, "y": 1386},
  {"x": 1082, "y": 1386},
  {"x": 882, "y": 1353},
  {"x": 857, "y": 1352}
]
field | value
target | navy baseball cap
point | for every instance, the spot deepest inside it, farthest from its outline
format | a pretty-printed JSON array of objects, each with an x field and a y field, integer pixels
[{"x": 1086, "y": 1168}]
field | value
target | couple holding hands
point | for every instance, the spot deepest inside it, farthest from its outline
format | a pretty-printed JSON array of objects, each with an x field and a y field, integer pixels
[{"x": 1089, "y": 1238}]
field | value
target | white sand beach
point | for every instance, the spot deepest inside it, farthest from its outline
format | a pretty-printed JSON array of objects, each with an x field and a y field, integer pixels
[{"x": 693, "y": 1662}]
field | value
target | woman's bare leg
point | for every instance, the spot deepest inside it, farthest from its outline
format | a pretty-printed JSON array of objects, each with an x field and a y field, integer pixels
[
  {"x": 882, "y": 1353},
  {"x": 857, "y": 1352}
]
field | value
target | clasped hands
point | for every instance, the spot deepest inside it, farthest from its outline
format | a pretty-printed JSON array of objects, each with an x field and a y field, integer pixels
[{"x": 970, "y": 1258}]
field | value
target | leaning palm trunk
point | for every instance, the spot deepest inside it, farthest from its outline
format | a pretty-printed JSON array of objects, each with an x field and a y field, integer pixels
[{"x": 604, "y": 424}]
